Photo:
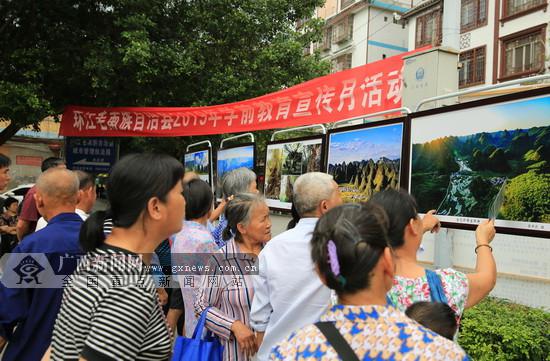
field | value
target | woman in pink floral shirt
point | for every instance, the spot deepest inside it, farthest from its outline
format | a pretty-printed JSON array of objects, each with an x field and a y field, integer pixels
[
  {"x": 193, "y": 245},
  {"x": 410, "y": 283}
]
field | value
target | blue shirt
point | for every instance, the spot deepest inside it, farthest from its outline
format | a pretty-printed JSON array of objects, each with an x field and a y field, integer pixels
[
  {"x": 34, "y": 310},
  {"x": 217, "y": 231}
]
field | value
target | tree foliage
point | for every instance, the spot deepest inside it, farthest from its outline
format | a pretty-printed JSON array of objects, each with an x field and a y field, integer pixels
[
  {"x": 149, "y": 53},
  {"x": 499, "y": 330},
  {"x": 526, "y": 198}
]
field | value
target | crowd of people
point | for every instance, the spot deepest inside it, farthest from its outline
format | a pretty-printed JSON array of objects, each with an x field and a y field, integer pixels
[{"x": 342, "y": 282}]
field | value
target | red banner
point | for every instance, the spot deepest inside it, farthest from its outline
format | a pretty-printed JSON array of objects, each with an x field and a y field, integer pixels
[{"x": 347, "y": 94}]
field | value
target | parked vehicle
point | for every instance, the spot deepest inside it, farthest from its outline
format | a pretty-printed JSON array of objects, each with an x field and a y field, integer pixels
[{"x": 17, "y": 192}]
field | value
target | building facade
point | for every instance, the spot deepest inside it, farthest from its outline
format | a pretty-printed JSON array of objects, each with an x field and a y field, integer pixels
[
  {"x": 500, "y": 40},
  {"x": 28, "y": 148},
  {"x": 358, "y": 32}
]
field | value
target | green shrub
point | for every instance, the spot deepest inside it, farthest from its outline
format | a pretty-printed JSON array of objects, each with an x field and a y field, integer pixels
[{"x": 499, "y": 330}]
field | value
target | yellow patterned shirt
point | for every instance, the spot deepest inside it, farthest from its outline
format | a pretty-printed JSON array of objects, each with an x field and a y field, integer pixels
[{"x": 374, "y": 333}]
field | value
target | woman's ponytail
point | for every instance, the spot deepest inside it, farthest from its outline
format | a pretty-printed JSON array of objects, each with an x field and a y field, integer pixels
[
  {"x": 92, "y": 234},
  {"x": 227, "y": 234}
]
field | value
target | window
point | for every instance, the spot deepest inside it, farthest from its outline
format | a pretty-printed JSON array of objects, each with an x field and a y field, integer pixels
[
  {"x": 515, "y": 7},
  {"x": 472, "y": 71},
  {"x": 523, "y": 53},
  {"x": 327, "y": 39},
  {"x": 342, "y": 62},
  {"x": 343, "y": 30},
  {"x": 473, "y": 14},
  {"x": 346, "y": 3},
  {"x": 428, "y": 29}
]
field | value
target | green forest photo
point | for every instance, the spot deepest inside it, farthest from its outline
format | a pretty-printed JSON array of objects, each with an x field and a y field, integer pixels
[
  {"x": 285, "y": 163},
  {"x": 462, "y": 160}
]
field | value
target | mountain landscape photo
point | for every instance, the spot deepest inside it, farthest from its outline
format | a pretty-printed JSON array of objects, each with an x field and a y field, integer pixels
[
  {"x": 233, "y": 158},
  {"x": 366, "y": 161},
  {"x": 199, "y": 163},
  {"x": 461, "y": 175}
]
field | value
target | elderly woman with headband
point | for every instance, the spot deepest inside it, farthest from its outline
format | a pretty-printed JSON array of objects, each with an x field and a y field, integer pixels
[{"x": 350, "y": 250}]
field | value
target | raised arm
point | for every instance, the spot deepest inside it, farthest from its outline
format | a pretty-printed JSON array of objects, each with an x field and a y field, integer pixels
[
  {"x": 218, "y": 210},
  {"x": 430, "y": 222},
  {"x": 483, "y": 280}
]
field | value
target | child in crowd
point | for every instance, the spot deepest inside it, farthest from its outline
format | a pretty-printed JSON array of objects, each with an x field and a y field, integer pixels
[{"x": 436, "y": 316}]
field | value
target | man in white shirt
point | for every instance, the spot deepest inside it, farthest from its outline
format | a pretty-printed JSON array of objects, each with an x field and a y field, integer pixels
[
  {"x": 86, "y": 197},
  {"x": 287, "y": 292}
]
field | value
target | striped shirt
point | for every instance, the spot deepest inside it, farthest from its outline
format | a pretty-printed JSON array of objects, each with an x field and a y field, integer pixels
[
  {"x": 115, "y": 317},
  {"x": 229, "y": 294}
]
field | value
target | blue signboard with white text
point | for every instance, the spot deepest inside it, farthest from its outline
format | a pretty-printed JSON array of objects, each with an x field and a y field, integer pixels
[{"x": 93, "y": 155}]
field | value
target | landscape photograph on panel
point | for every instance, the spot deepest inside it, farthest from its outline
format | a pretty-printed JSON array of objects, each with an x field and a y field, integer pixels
[
  {"x": 199, "y": 162},
  {"x": 285, "y": 162},
  {"x": 366, "y": 159},
  {"x": 488, "y": 161},
  {"x": 231, "y": 158}
]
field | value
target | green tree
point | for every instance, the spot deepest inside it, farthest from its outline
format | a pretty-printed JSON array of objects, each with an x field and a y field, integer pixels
[
  {"x": 526, "y": 198},
  {"x": 533, "y": 155},
  {"x": 478, "y": 159},
  {"x": 497, "y": 161},
  {"x": 148, "y": 53}
]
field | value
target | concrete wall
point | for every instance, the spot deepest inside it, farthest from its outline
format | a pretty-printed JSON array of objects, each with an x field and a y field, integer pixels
[
  {"x": 386, "y": 38},
  {"x": 24, "y": 173},
  {"x": 523, "y": 264},
  {"x": 329, "y": 9},
  {"x": 484, "y": 36}
]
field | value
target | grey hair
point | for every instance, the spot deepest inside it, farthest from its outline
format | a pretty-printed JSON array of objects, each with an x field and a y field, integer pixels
[
  {"x": 59, "y": 183},
  {"x": 85, "y": 179},
  {"x": 237, "y": 181},
  {"x": 238, "y": 210},
  {"x": 310, "y": 189}
]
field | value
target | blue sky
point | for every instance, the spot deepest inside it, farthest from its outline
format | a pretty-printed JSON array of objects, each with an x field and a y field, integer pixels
[
  {"x": 239, "y": 152},
  {"x": 365, "y": 144},
  {"x": 521, "y": 114}
]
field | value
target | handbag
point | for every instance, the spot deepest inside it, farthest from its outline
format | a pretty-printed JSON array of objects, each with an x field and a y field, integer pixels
[{"x": 197, "y": 348}]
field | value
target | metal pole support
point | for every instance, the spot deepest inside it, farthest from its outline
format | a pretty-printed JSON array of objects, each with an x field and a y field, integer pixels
[
  {"x": 402, "y": 110},
  {"x": 482, "y": 88},
  {"x": 237, "y": 137},
  {"x": 199, "y": 143},
  {"x": 443, "y": 248}
]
